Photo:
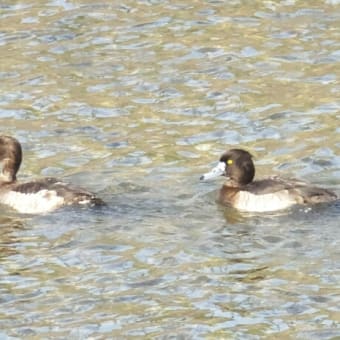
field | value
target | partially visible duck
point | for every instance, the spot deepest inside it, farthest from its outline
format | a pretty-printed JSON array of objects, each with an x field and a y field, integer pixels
[
  {"x": 243, "y": 193},
  {"x": 38, "y": 196}
]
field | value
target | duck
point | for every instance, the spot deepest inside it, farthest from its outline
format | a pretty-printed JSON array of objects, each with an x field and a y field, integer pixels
[
  {"x": 242, "y": 192},
  {"x": 38, "y": 196}
]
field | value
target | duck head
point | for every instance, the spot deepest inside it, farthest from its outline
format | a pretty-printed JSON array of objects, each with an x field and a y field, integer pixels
[
  {"x": 236, "y": 165},
  {"x": 10, "y": 158}
]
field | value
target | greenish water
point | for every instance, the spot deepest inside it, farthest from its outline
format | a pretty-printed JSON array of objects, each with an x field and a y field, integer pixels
[{"x": 135, "y": 101}]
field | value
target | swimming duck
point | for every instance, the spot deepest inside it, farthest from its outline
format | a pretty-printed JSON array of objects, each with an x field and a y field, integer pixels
[
  {"x": 39, "y": 196},
  {"x": 274, "y": 193}
]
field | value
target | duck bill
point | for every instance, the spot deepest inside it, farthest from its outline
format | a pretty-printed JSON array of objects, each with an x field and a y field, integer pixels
[{"x": 218, "y": 170}]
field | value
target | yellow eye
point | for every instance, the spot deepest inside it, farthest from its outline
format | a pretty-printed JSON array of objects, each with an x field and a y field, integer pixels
[{"x": 229, "y": 161}]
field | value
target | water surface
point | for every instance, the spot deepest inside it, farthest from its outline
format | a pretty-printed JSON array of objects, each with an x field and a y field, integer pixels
[{"x": 135, "y": 101}]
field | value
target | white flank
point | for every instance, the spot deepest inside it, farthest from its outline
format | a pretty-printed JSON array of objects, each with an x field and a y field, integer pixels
[
  {"x": 280, "y": 200},
  {"x": 37, "y": 203}
]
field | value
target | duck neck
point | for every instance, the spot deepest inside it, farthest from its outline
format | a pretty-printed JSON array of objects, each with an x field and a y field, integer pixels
[{"x": 9, "y": 170}]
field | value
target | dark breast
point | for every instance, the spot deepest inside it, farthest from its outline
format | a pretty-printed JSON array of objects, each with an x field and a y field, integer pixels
[{"x": 227, "y": 195}]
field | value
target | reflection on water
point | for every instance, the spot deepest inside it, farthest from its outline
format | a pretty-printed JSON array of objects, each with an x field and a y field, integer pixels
[{"x": 134, "y": 101}]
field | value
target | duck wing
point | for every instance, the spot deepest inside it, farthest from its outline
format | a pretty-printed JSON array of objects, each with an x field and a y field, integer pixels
[
  {"x": 301, "y": 191},
  {"x": 71, "y": 194}
]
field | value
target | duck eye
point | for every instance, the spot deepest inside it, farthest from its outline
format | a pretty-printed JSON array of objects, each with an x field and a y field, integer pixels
[{"x": 229, "y": 161}]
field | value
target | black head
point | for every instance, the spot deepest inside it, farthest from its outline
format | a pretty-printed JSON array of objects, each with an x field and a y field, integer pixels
[
  {"x": 239, "y": 166},
  {"x": 10, "y": 157}
]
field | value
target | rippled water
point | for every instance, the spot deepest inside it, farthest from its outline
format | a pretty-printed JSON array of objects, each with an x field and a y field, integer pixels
[{"x": 135, "y": 100}]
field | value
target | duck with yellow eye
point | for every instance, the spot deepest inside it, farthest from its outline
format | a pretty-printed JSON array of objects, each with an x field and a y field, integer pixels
[{"x": 274, "y": 193}]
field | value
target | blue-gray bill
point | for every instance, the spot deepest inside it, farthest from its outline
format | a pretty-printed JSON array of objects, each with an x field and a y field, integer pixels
[{"x": 218, "y": 170}]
